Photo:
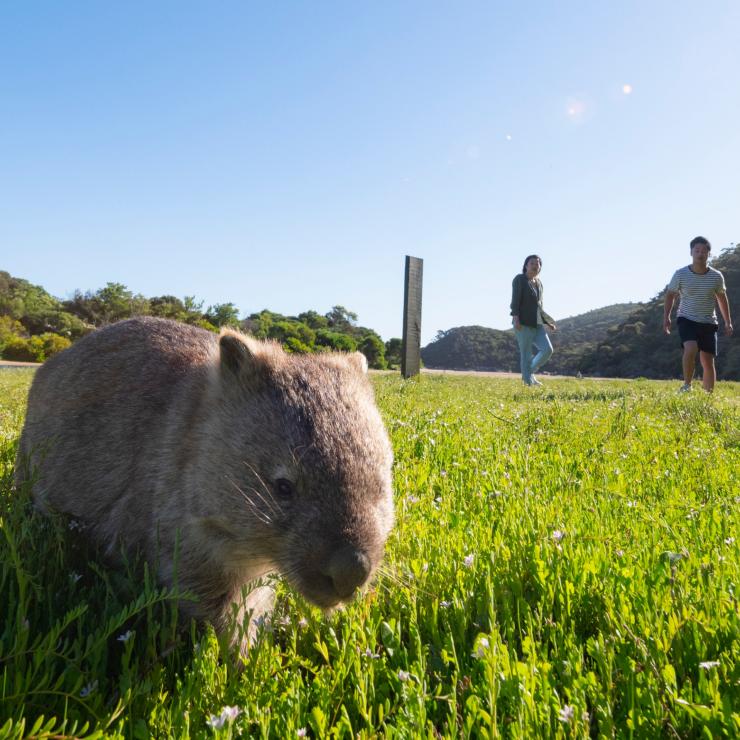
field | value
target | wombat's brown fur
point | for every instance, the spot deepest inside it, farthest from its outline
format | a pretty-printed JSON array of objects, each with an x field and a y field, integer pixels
[{"x": 222, "y": 459}]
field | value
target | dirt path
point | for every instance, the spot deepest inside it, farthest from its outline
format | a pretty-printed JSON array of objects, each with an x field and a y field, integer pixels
[
  {"x": 10, "y": 363},
  {"x": 490, "y": 373}
]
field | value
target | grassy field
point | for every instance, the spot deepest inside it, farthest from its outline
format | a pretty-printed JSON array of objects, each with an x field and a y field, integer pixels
[{"x": 565, "y": 564}]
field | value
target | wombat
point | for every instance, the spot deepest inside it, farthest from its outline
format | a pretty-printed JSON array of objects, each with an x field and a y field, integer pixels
[{"x": 221, "y": 459}]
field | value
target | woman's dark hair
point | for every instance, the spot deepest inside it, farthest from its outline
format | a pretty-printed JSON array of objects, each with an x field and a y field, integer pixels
[{"x": 531, "y": 256}]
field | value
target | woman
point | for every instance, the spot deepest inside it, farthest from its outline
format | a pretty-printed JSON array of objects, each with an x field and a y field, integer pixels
[{"x": 530, "y": 319}]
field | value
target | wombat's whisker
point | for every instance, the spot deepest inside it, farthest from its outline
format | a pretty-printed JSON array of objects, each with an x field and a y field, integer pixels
[
  {"x": 400, "y": 579},
  {"x": 270, "y": 501},
  {"x": 272, "y": 509},
  {"x": 296, "y": 456},
  {"x": 261, "y": 515}
]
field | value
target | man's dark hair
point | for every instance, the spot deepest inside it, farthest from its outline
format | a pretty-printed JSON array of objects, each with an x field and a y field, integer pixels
[
  {"x": 531, "y": 256},
  {"x": 700, "y": 240}
]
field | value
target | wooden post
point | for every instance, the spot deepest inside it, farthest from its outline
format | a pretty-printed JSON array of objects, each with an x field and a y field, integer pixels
[{"x": 411, "y": 347}]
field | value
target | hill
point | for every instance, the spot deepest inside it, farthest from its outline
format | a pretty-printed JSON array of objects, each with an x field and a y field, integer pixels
[
  {"x": 472, "y": 348},
  {"x": 481, "y": 348},
  {"x": 593, "y": 325},
  {"x": 638, "y": 347}
]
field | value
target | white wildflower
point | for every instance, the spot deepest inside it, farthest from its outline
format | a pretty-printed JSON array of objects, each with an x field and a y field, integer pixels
[
  {"x": 620, "y": 553},
  {"x": 557, "y": 535},
  {"x": 74, "y": 577},
  {"x": 708, "y": 664},
  {"x": 125, "y": 637},
  {"x": 301, "y": 732},
  {"x": 303, "y": 623},
  {"x": 566, "y": 714},
  {"x": 468, "y": 561},
  {"x": 632, "y": 504},
  {"x": 445, "y": 604},
  {"x": 231, "y": 713},
  {"x": 729, "y": 540},
  {"x": 403, "y": 676},
  {"x": 483, "y": 645},
  {"x": 228, "y": 714}
]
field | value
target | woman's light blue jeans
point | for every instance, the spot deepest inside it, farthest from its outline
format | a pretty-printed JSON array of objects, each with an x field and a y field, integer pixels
[{"x": 529, "y": 337}]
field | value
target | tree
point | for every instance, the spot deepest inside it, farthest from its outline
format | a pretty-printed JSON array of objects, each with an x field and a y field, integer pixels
[
  {"x": 117, "y": 302},
  {"x": 371, "y": 345},
  {"x": 393, "y": 352},
  {"x": 340, "y": 319},
  {"x": 112, "y": 303},
  {"x": 167, "y": 307},
  {"x": 313, "y": 319},
  {"x": 223, "y": 314},
  {"x": 282, "y": 331},
  {"x": 335, "y": 341}
]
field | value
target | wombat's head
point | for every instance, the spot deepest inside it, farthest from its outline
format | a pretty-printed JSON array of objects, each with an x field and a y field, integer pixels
[{"x": 305, "y": 466}]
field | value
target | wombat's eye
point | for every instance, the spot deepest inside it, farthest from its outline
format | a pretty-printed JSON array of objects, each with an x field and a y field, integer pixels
[{"x": 284, "y": 488}]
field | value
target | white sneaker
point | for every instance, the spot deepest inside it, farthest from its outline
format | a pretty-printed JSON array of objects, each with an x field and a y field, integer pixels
[
  {"x": 534, "y": 381},
  {"x": 685, "y": 388}
]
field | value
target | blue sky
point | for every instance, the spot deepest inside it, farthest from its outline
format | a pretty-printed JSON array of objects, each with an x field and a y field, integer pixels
[{"x": 288, "y": 155}]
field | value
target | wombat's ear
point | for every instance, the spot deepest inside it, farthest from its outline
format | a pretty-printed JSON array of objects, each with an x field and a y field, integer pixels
[
  {"x": 358, "y": 361},
  {"x": 240, "y": 356}
]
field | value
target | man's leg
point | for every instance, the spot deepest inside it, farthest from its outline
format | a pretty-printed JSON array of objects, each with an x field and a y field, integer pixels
[
  {"x": 709, "y": 374},
  {"x": 525, "y": 337},
  {"x": 544, "y": 345},
  {"x": 690, "y": 349}
]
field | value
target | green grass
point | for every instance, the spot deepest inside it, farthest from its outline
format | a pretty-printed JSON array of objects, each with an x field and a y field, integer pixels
[{"x": 565, "y": 563}]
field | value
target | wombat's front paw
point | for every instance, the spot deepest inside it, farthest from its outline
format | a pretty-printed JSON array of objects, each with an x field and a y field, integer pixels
[{"x": 246, "y": 618}]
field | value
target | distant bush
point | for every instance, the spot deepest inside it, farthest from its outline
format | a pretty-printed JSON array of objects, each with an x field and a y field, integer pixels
[
  {"x": 34, "y": 349},
  {"x": 371, "y": 345},
  {"x": 53, "y": 344},
  {"x": 296, "y": 346},
  {"x": 9, "y": 329},
  {"x": 335, "y": 341},
  {"x": 19, "y": 349}
]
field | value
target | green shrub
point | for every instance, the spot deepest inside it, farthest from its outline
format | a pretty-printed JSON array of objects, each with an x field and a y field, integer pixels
[
  {"x": 335, "y": 341},
  {"x": 54, "y": 344},
  {"x": 19, "y": 349},
  {"x": 371, "y": 345},
  {"x": 34, "y": 349}
]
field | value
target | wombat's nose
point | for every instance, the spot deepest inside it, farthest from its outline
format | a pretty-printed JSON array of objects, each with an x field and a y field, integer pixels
[{"x": 348, "y": 569}]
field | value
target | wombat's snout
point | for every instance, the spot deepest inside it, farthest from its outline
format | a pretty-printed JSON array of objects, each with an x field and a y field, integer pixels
[{"x": 348, "y": 569}]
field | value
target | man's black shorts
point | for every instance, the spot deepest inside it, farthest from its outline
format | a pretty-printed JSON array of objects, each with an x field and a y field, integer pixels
[{"x": 705, "y": 335}]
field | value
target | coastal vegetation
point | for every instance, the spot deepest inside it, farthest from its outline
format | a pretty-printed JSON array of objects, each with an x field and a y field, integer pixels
[{"x": 35, "y": 325}]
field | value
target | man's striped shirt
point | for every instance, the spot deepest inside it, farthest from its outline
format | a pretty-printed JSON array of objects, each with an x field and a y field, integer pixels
[{"x": 697, "y": 293}]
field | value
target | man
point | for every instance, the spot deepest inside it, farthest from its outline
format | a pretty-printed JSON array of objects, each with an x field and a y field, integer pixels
[{"x": 698, "y": 286}]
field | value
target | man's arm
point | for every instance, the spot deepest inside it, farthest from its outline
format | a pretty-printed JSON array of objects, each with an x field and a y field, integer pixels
[
  {"x": 724, "y": 307},
  {"x": 670, "y": 298}
]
